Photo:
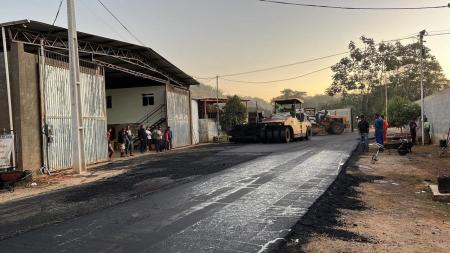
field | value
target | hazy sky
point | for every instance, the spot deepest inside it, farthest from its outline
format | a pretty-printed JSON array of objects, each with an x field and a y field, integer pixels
[{"x": 209, "y": 37}]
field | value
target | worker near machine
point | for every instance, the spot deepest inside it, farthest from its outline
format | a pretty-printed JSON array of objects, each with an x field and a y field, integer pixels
[
  {"x": 413, "y": 131},
  {"x": 385, "y": 128},
  {"x": 363, "y": 127},
  {"x": 379, "y": 131}
]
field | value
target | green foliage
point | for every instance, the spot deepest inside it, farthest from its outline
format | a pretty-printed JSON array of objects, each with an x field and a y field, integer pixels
[
  {"x": 234, "y": 113},
  {"x": 372, "y": 67},
  {"x": 401, "y": 111}
]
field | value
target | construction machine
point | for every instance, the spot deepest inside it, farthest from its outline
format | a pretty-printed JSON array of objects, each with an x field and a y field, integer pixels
[
  {"x": 288, "y": 123},
  {"x": 322, "y": 122}
]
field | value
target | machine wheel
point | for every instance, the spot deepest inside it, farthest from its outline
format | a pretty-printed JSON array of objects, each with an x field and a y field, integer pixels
[
  {"x": 277, "y": 134},
  {"x": 308, "y": 134},
  {"x": 286, "y": 135},
  {"x": 336, "y": 127},
  {"x": 269, "y": 134}
]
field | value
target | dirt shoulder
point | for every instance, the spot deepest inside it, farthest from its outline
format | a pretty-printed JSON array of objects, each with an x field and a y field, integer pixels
[{"x": 381, "y": 207}]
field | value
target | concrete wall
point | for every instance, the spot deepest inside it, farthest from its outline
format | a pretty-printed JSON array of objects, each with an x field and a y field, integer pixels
[
  {"x": 207, "y": 130},
  {"x": 24, "y": 79},
  {"x": 437, "y": 110},
  {"x": 127, "y": 105}
]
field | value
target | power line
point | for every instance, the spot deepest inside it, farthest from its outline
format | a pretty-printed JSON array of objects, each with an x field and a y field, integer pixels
[
  {"x": 357, "y": 8},
  {"x": 437, "y": 34},
  {"x": 57, "y": 13},
  {"x": 120, "y": 22},
  {"x": 285, "y": 65},
  {"x": 275, "y": 81}
]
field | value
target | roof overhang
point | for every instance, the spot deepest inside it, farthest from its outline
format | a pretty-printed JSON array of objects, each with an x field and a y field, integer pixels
[{"x": 106, "y": 51}]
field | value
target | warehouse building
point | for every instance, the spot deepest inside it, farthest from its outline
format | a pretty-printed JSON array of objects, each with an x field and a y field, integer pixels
[{"x": 121, "y": 84}]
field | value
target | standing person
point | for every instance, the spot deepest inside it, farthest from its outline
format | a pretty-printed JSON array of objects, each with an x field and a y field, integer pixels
[
  {"x": 156, "y": 139},
  {"x": 413, "y": 131},
  {"x": 170, "y": 137},
  {"x": 427, "y": 130},
  {"x": 121, "y": 140},
  {"x": 385, "y": 128},
  {"x": 110, "y": 147},
  {"x": 363, "y": 127},
  {"x": 149, "y": 138},
  {"x": 130, "y": 146},
  {"x": 379, "y": 124},
  {"x": 167, "y": 138},
  {"x": 142, "y": 134}
]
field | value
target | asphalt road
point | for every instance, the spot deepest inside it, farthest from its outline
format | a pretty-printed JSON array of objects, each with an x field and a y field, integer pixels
[{"x": 244, "y": 198}]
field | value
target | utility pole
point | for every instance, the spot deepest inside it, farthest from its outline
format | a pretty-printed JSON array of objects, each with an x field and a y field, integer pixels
[
  {"x": 78, "y": 159},
  {"x": 421, "y": 34},
  {"x": 217, "y": 106}
]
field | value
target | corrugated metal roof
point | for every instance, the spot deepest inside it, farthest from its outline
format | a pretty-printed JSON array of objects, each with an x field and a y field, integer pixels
[{"x": 159, "y": 62}]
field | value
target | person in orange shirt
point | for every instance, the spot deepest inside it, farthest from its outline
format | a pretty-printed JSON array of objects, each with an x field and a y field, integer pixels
[{"x": 385, "y": 128}]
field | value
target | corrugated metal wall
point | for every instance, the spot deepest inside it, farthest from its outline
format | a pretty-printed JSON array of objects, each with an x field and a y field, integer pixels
[
  {"x": 195, "y": 123},
  {"x": 58, "y": 113},
  {"x": 178, "y": 115}
]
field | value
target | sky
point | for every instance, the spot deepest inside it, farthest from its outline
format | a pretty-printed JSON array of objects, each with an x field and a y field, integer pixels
[{"x": 206, "y": 38}]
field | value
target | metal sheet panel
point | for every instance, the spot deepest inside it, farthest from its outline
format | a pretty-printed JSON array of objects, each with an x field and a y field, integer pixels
[
  {"x": 195, "y": 122},
  {"x": 178, "y": 115},
  {"x": 58, "y": 113},
  {"x": 94, "y": 115}
]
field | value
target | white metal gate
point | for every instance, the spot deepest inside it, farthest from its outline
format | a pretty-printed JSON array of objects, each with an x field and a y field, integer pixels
[
  {"x": 57, "y": 111},
  {"x": 178, "y": 115}
]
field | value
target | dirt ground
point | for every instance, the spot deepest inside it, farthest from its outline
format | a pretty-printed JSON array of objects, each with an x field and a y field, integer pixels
[{"x": 381, "y": 207}]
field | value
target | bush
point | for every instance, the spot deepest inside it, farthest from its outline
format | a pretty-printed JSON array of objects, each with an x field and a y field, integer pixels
[{"x": 402, "y": 111}]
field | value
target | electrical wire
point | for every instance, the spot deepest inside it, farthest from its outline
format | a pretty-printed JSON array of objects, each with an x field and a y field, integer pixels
[
  {"x": 356, "y": 8},
  {"x": 276, "y": 81},
  {"x": 120, "y": 22},
  {"x": 283, "y": 66},
  {"x": 437, "y": 34},
  {"x": 57, "y": 13}
]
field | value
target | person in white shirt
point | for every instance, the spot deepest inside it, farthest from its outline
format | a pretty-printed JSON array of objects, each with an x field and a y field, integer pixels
[{"x": 149, "y": 138}]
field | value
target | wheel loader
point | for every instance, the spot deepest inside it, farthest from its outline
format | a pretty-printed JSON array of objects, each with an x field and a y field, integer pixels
[{"x": 288, "y": 123}]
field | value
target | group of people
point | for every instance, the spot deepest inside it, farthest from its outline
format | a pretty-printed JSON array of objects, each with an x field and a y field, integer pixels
[
  {"x": 160, "y": 140},
  {"x": 381, "y": 126}
]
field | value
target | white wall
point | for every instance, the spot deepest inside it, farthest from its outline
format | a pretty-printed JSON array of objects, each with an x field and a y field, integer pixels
[
  {"x": 178, "y": 115},
  {"x": 195, "y": 123},
  {"x": 437, "y": 111},
  {"x": 127, "y": 103}
]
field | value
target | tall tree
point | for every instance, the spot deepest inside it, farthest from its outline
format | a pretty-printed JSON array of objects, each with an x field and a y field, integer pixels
[
  {"x": 371, "y": 68},
  {"x": 234, "y": 113}
]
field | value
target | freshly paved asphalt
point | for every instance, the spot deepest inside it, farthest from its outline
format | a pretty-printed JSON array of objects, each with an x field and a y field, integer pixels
[{"x": 244, "y": 208}]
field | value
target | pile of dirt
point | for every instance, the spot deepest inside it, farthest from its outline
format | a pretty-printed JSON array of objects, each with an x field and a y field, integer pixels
[{"x": 381, "y": 207}]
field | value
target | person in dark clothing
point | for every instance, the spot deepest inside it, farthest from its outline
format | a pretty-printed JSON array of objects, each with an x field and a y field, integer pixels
[
  {"x": 142, "y": 135},
  {"x": 121, "y": 139},
  {"x": 413, "y": 131},
  {"x": 363, "y": 127}
]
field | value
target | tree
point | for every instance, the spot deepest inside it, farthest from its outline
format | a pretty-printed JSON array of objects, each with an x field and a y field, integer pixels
[
  {"x": 371, "y": 68},
  {"x": 401, "y": 111},
  {"x": 234, "y": 113},
  {"x": 288, "y": 93}
]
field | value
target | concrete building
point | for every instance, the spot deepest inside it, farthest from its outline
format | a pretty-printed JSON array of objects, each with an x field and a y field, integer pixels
[{"x": 121, "y": 84}]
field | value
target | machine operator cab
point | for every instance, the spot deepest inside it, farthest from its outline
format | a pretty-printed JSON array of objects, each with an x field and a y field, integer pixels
[{"x": 293, "y": 106}]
